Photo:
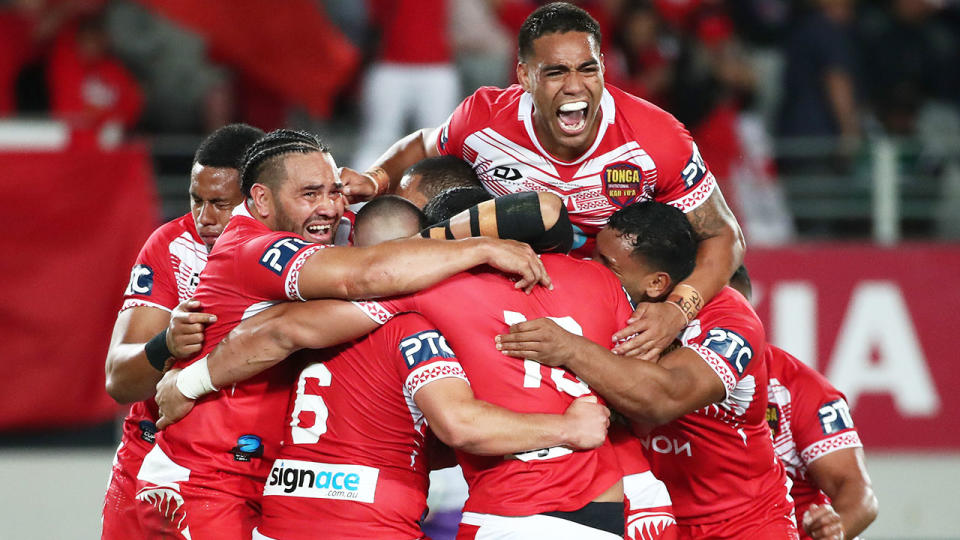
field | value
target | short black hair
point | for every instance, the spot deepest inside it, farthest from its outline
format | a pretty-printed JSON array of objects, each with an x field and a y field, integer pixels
[
  {"x": 390, "y": 205},
  {"x": 260, "y": 160},
  {"x": 453, "y": 201},
  {"x": 440, "y": 173},
  {"x": 556, "y": 17},
  {"x": 225, "y": 146},
  {"x": 662, "y": 237},
  {"x": 740, "y": 280}
]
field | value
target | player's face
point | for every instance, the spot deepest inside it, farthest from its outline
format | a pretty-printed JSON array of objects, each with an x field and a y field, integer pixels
[
  {"x": 564, "y": 75},
  {"x": 214, "y": 191},
  {"x": 614, "y": 250},
  {"x": 309, "y": 202}
]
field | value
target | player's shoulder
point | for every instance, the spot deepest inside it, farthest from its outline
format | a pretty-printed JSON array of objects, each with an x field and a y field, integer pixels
[
  {"x": 636, "y": 109},
  {"x": 578, "y": 268},
  {"x": 175, "y": 228},
  {"x": 496, "y": 98},
  {"x": 728, "y": 303},
  {"x": 797, "y": 376}
]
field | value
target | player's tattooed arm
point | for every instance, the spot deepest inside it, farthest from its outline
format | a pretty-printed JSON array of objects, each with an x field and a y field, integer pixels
[
  {"x": 648, "y": 393},
  {"x": 383, "y": 176},
  {"x": 719, "y": 253},
  {"x": 536, "y": 218}
]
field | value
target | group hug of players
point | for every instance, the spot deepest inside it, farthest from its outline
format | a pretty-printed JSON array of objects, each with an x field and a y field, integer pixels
[{"x": 297, "y": 372}]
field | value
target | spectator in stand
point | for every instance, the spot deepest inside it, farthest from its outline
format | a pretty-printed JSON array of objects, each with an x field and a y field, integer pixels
[
  {"x": 88, "y": 87},
  {"x": 483, "y": 46},
  {"x": 642, "y": 62},
  {"x": 819, "y": 80},
  {"x": 413, "y": 77}
]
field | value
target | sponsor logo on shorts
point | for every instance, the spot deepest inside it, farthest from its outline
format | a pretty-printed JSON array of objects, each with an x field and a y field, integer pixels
[
  {"x": 141, "y": 280},
  {"x": 148, "y": 431},
  {"x": 248, "y": 446},
  {"x": 622, "y": 182},
  {"x": 423, "y": 346},
  {"x": 276, "y": 257},
  {"x": 313, "y": 480}
]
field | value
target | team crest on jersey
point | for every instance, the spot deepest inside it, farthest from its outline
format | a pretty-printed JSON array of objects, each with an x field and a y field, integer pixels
[
  {"x": 622, "y": 182},
  {"x": 773, "y": 418}
]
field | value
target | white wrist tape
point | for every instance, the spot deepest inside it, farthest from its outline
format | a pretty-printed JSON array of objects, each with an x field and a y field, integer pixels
[{"x": 194, "y": 381}]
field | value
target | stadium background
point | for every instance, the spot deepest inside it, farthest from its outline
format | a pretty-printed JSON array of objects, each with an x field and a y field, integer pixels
[{"x": 852, "y": 212}]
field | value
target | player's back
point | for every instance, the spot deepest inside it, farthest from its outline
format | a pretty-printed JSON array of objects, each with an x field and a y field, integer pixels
[
  {"x": 471, "y": 309},
  {"x": 353, "y": 453}
]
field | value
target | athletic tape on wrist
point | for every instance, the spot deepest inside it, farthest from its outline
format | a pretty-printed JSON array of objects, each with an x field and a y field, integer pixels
[
  {"x": 194, "y": 381},
  {"x": 157, "y": 351}
]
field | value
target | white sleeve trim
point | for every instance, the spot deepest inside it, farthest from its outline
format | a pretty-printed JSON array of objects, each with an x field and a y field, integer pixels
[
  {"x": 292, "y": 283},
  {"x": 433, "y": 371},
  {"x": 375, "y": 311},
  {"x": 137, "y": 302},
  {"x": 840, "y": 441},
  {"x": 695, "y": 198},
  {"x": 718, "y": 365}
]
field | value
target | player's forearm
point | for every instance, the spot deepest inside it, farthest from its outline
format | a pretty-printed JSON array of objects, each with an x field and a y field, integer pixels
[
  {"x": 856, "y": 504},
  {"x": 403, "y": 267},
  {"x": 483, "y": 429},
  {"x": 404, "y": 153},
  {"x": 129, "y": 376}
]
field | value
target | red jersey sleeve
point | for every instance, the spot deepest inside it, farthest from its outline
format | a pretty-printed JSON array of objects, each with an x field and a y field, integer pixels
[
  {"x": 471, "y": 113},
  {"x": 272, "y": 264},
  {"x": 821, "y": 422},
  {"x": 422, "y": 353},
  {"x": 152, "y": 282},
  {"x": 384, "y": 309},
  {"x": 729, "y": 337}
]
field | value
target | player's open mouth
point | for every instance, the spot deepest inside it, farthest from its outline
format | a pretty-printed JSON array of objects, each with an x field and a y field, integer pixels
[
  {"x": 572, "y": 117},
  {"x": 318, "y": 229}
]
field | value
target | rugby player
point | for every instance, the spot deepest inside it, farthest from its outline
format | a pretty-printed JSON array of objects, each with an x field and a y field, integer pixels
[
  {"x": 166, "y": 273},
  {"x": 564, "y": 131},
  {"x": 206, "y": 474}
]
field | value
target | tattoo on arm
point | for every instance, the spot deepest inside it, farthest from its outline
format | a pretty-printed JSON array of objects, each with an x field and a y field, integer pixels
[{"x": 710, "y": 218}]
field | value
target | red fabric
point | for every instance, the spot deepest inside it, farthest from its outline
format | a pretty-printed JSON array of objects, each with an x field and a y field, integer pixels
[
  {"x": 87, "y": 92},
  {"x": 16, "y": 49},
  {"x": 412, "y": 31},
  {"x": 289, "y": 47},
  {"x": 69, "y": 239}
]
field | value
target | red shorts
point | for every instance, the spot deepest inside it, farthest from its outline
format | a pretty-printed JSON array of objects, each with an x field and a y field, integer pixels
[
  {"x": 123, "y": 515},
  {"x": 648, "y": 510},
  {"x": 777, "y": 525},
  {"x": 209, "y": 505}
]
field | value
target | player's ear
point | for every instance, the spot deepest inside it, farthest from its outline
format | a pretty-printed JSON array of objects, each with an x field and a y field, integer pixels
[
  {"x": 658, "y": 284},
  {"x": 262, "y": 199},
  {"x": 523, "y": 76}
]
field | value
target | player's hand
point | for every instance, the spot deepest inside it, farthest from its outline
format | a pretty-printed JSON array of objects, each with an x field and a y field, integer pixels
[
  {"x": 173, "y": 404},
  {"x": 357, "y": 187},
  {"x": 822, "y": 522},
  {"x": 541, "y": 340},
  {"x": 653, "y": 327},
  {"x": 587, "y": 423},
  {"x": 516, "y": 258},
  {"x": 185, "y": 332}
]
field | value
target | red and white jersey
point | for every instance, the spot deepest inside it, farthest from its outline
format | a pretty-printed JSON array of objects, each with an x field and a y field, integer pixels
[
  {"x": 353, "y": 456},
  {"x": 166, "y": 273},
  {"x": 641, "y": 153},
  {"x": 718, "y": 462},
  {"x": 809, "y": 419},
  {"x": 470, "y": 309},
  {"x": 238, "y": 430}
]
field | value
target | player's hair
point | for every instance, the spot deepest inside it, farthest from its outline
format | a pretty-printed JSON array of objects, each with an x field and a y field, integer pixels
[
  {"x": 661, "y": 235},
  {"x": 390, "y": 206},
  {"x": 453, "y": 201},
  {"x": 225, "y": 146},
  {"x": 556, "y": 17},
  {"x": 261, "y": 163},
  {"x": 740, "y": 280},
  {"x": 440, "y": 173}
]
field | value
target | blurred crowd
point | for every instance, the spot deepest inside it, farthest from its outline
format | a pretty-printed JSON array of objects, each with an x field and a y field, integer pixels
[{"x": 740, "y": 74}]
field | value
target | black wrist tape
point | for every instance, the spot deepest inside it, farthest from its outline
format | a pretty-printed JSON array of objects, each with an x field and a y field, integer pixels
[{"x": 157, "y": 351}]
